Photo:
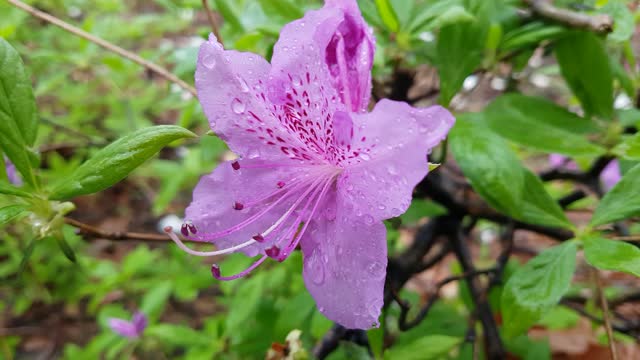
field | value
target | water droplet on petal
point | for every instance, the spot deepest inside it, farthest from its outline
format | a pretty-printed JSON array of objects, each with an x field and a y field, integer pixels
[
  {"x": 376, "y": 269},
  {"x": 244, "y": 87},
  {"x": 381, "y": 207},
  {"x": 368, "y": 219},
  {"x": 315, "y": 267},
  {"x": 365, "y": 157},
  {"x": 209, "y": 61},
  {"x": 297, "y": 82},
  {"x": 237, "y": 106}
]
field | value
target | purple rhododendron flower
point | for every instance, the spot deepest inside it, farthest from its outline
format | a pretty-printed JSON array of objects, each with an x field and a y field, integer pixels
[
  {"x": 609, "y": 176},
  {"x": 12, "y": 174},
  {"x": 130, "y": 329},
  {"x": 315, "y": 168}
]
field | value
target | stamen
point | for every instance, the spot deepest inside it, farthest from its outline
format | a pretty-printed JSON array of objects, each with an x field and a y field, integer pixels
[
  {"x": 184, "y": 230},
  {"x": 272, "y": 252},
  {"x": 281, "y": 184},
  {"x": 238, "y": 206},
  {"x": 169, "y": 231},
  {"x": 192, "y": 228},
  {"x": 259, "y": 238},
  {"x": 287, "y": 251},
  {"x": 215, "y": 270},
  {"x": 235, "y": 165},
  {"x": 251, "y": 219}
]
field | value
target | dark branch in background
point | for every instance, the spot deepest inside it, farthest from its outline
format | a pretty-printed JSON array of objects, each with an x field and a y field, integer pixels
[
  {"x": 212, "y": 21},
  {"x": 493, "y": 342},
  {"x": 600, "y": 23}
]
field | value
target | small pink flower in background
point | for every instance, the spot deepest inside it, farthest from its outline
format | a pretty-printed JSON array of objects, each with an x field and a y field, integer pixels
[
  {"x": 130, "y": 329},
  {"x": 12, "y": 174},
  {"x": 315, "y": 168},
  {"x": 561, "y": 161},
  {"x": 609, "y": 176}
]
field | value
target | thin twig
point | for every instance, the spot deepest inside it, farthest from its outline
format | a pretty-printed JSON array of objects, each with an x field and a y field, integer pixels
[
  {"x": 105, "y": 44},
  {"x": 600, "y": 23},
  {"x": 605, "y": 313},
  {"x": 212, "y": 21},
  {"x": 93, "y": 231},
  {"x": 632, "y": 238}
]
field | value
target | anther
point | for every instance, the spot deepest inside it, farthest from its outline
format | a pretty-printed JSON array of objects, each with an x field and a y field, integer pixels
[
  {"x": 238, "y": 206},
  {"x": 259, "y": 238},
  {"x": 280, "y": 184},
  {"x": 272, "y": 252},
  {"x": 192, "y": 228},
  {"x": 184, "y": 230},
  {"x": 215, "y": 271},
  {"x": 235, "y": 165}
]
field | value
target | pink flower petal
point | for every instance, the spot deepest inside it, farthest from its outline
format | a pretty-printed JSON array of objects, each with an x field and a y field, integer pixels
[
  {"x": 395, "y": 139},
  {"x": 345, "y": 262}
]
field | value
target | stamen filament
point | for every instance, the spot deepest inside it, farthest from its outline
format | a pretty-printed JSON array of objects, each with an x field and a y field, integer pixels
[
  {"x": 342, "y": 67},
  {"x": 181, "y": 245},
  {"x": 215, "y": 270},
  {"x": 287, "y": 251}
]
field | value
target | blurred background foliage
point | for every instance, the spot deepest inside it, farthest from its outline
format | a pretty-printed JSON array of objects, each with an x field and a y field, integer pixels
[{"x": 88, "y": 97}]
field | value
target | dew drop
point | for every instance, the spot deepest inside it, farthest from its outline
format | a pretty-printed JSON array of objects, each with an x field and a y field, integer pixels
[
  {"x": 297, "y": 82},
  {"x": 368, "y": 219},
  {"x": 376, "y": 269},
  {"x": 392, "y": 170},
  {"x": 237, "y": 106},
  {"x": 244, "y": 87},
  {"x": 381, "y": 207},
  {"x": 316, "y": 268},
  {"x": 365, "y": 157},
  {"x": 209, "y": 61}
]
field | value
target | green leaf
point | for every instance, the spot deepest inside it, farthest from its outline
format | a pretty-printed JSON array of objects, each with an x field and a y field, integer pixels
[
  {"x": 10, "y": 213},
  {"x": 16, "y": 95},
  {"x": 155, "y": 300},
  {"x": 376, "y": 341},
  {"x": 623, "y": 22},
  {"x": 65, "y": 247},
  {"x": 425, "y": 348},
  {"x": 529, "y": 35},
  {"x": 428, "y": 15},
  {"x": 420, "y": 209},
  {"x": 388, "y": 15},
  {"x": 283, "y": 8},
  {"x": 229, "y": 15},
  {"x": 9, "y": 189},
  {"x": 585, "y": 66},
  {"x": 490, "y": 165},
  {"x": 26, "y": 255},
  {"x": 536, "y": 287},
  {"x": 612, "y": 255},
  {"x": 538, "y": 207},
  {"x": 18, "y": 121},
  {"x": 460, "y": 50},
  {"x": 117, "y": 160},
  {"x": 621, "y": 202},
  {"x": 628, "y": 149},
  {"x": 177, "y": 335},
  {"x": 541, "y": 125}
]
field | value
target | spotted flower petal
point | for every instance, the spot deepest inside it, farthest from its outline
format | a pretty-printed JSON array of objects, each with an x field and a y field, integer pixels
[
  {"x": 392, "y": 143},
  {"x": 345, "y": 261},
  {"x": 236, "y": 193},
  {"x": 336, "y": 40}
]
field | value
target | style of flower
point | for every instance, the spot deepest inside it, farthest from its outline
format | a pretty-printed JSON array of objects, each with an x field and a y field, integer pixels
[
  {"x": 130, "y": 329},
  {"x": 609, "y": 176},
  {"x": 315, "y": 169},
  {"x": 12, "y": 174}
]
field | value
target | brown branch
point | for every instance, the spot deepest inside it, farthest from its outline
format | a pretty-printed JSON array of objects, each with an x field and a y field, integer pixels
[
  {"x": 405, "y": 325},
  {"x": 600, "y": 23},
  {"x": 605, "y": 313},
  {"x": 105, "y": 44},
  {"x": 212, "y": 21},
  {"x": 95, "y": 232}
]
